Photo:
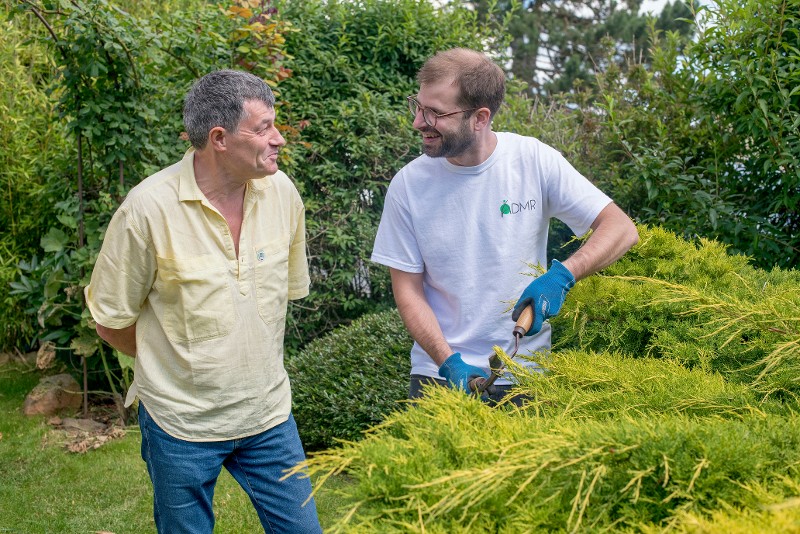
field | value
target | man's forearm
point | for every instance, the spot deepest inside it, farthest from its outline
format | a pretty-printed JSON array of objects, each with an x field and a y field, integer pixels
[
  {"x": 613, "y": 234},
  {"x": 418, "y": 316},
  {"x": 424, "y": 328},
  {"x": 122, "y": 339}
]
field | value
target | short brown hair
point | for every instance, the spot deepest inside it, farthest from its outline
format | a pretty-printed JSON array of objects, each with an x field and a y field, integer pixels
[{"x": 480, "y": 81}]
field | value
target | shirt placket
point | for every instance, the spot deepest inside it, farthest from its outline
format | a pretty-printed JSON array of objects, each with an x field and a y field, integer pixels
[{"x": 246, "y": 259}]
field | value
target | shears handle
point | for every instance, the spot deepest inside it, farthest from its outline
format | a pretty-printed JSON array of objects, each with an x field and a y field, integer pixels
[{"x": 524, "y": 322}]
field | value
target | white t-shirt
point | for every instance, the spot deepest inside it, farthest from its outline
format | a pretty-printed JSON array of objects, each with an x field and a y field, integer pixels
[{"x": 473, "y": 231}]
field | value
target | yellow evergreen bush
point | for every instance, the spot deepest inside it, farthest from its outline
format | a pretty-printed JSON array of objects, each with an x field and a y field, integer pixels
[{"x": 667, "y": 404}]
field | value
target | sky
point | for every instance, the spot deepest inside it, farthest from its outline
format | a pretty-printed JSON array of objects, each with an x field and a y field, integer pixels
[
  {"x": 657, "y": 6},
  {"x": 653, "y": 6}
]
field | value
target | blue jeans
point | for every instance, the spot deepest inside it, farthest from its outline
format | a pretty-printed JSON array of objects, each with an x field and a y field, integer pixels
[{"x": 184, "y": 474}]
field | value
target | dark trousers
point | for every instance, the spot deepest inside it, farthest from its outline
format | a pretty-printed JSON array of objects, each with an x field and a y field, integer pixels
[{"x": 499, "y": 392}]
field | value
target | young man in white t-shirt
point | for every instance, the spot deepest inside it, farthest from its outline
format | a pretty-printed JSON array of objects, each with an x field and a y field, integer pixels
[{"x": 462, "y": 222}]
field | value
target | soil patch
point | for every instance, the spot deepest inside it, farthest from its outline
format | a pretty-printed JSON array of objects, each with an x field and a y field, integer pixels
[{"x": 80, "y": 434}]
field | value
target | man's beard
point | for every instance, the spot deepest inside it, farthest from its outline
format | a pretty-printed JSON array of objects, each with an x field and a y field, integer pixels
[{"x": 450, "y": 145}]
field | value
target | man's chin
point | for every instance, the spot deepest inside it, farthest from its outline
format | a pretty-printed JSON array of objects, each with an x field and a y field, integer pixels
[
  {"x": 432, "y": 151},
  {"x": 268, "y": 170}
]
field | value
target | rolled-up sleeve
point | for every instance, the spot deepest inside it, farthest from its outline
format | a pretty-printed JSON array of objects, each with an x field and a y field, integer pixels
[{"x": 123, "y": 274}]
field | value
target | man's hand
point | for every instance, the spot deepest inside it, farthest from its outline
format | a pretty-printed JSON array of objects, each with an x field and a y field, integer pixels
[
  {"x": 546, "y": 295},
  {"x": 458, "y": 374},
  {"x": 123, "y": 339}
]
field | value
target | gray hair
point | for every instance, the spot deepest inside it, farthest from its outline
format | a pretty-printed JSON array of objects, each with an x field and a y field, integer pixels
[{"x": 217, "y": 99}]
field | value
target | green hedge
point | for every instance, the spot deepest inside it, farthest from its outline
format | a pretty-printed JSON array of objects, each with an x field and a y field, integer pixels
[
  {"x": 353, "y": 64},
  {"x": 348, "y": 380}
]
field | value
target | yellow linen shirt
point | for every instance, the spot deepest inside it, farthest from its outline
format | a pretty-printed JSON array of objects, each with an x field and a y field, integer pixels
[{"x": 209, "y": 325}]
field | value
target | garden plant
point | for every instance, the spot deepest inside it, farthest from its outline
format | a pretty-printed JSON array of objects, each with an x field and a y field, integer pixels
[{"x": 669, "y": 402}]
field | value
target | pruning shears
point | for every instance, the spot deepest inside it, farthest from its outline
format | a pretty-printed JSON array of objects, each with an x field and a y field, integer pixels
[{"x": 496, "y": 366}]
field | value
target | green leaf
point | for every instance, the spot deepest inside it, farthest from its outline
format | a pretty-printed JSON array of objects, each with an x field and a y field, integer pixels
[
  {"x": 125, "y": 361},
  {"x": 68, "y": 220},
  {"x": 84, "y": 345},
  {"x": 54, "y": 240}
]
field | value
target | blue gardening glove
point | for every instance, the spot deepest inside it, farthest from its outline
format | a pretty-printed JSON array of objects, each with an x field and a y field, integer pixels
[
  {"x": 546, "y": 294},
  {"x": 458, "y": 374}
]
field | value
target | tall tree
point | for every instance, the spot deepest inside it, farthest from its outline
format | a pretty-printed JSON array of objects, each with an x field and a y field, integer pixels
[{"x": 558, "y": 44}]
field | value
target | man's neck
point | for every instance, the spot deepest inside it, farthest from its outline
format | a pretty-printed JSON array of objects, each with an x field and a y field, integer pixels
[
  {"x": 481, "y": 151},
  {"x": 214, "y": 183},
  {"x": 225, "y": 194}
]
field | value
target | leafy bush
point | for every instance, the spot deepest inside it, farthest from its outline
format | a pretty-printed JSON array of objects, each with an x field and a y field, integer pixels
[
  {"x": 585, "y": 384},
  {"x": 455, "y": 465},
  {"x": 747, "y": 61},
  {"x": 32, "y": 143},
  {"x": 348, "y": 380},
  {"x": 703, "y": 142},
  {"x": 699, "y": 140}
]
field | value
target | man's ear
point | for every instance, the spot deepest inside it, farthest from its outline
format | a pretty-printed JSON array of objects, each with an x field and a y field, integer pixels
[
  {"x": 217, "y": 138},
  {"x": 483, "y": 118}
]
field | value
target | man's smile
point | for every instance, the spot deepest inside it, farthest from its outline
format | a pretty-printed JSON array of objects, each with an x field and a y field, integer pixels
[{"x": 430, "y": 135}]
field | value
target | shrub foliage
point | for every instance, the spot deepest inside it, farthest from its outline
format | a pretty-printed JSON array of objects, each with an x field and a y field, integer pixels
[
  {"x": 348, "y": 380},
  {"x": 670, "y": 398}
]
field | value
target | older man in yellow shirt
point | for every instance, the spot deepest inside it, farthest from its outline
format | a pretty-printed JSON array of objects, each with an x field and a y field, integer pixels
[{"x": 193, "y": 279}]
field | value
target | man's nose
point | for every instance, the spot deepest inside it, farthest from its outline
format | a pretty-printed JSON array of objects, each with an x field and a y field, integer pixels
[{"x": 419, "y": 120}]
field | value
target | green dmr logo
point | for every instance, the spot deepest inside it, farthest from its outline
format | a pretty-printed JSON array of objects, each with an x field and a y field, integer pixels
[{"x": 516, "y": 207}]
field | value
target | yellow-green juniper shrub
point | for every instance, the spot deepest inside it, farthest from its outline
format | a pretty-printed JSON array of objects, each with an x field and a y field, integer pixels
[
  {"x": 670, "y": 298},
  {"x": 668, "y": 403},
  {"x": 453, "y": 461}
]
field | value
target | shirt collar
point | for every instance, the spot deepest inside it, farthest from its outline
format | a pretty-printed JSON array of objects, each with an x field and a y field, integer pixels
[{"x": 187, "y": 185}]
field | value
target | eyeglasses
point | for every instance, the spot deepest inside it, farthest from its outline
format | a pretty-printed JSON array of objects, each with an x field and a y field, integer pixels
[{"x": 429, "y": 116}]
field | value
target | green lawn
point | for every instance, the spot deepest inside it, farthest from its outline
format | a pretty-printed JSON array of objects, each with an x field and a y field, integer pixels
[{"x": 45, "y": 489}]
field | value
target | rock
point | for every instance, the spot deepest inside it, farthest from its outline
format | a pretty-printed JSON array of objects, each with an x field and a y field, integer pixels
[{"x": 53, "y": 394}]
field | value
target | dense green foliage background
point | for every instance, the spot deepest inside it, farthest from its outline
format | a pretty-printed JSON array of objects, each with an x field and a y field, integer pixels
[
  {"x": 673, "y": 396},
  {"x": 698, "y": 136}
]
